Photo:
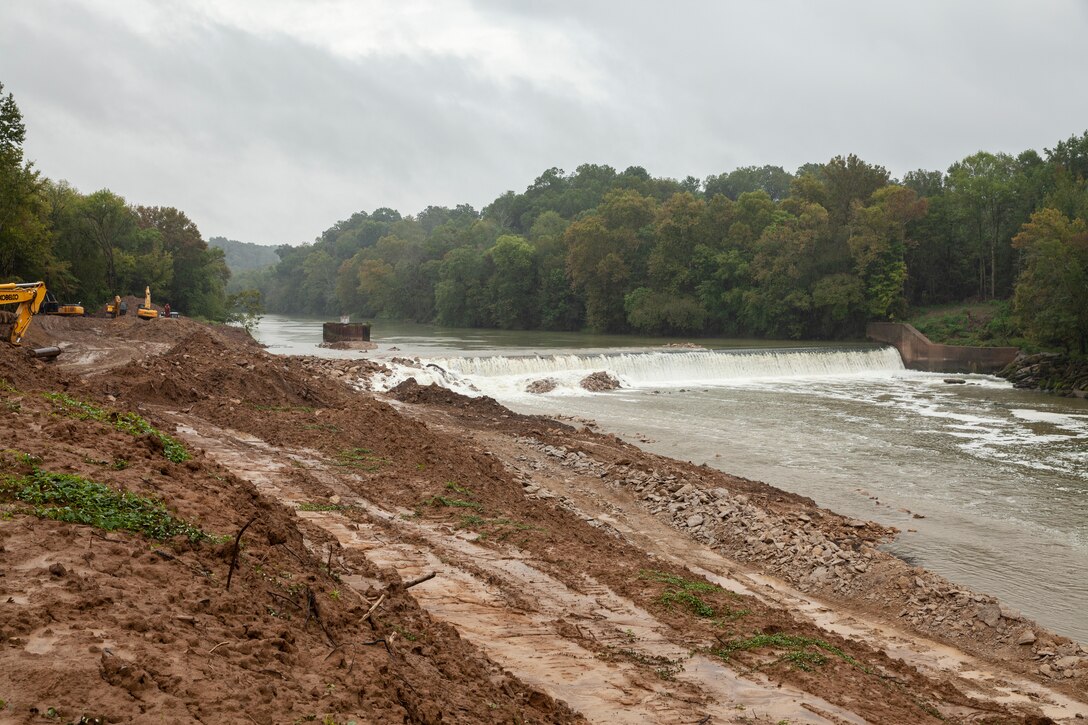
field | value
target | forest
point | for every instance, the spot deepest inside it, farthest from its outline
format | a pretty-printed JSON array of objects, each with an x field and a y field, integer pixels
[
  {"x": 89, "y": 247},
  {"x": 757, "y": 251}
]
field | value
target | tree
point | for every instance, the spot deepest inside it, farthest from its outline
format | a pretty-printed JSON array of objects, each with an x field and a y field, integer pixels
[
  {"x": 878, "y": 246},
  {"x": 109, "y": 222},
  {"x": 982, "y": 192},
  {"x": 774, "y": 180},
  {"x": 199, "y": 274},
  {"x": 512, "y": 282},
  {"x": 25, "y": 241},
  {"x": 461, "y": 292},
  {"x": 246, "y": 309},
  {"x": 1051, "y": 296}
]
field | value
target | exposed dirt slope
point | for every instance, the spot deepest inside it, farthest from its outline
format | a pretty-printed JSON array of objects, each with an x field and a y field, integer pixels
[{"x": 573, "y": 573}]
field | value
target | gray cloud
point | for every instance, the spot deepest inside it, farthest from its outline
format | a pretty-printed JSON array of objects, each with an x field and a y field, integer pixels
[{"x": 273, "y": 133}]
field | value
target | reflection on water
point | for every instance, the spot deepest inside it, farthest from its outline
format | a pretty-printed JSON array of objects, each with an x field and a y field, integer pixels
[{"x": 999, "y": 475}]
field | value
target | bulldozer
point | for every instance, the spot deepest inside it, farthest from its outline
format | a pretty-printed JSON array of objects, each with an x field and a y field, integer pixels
[{"x": 29, "y": 296}]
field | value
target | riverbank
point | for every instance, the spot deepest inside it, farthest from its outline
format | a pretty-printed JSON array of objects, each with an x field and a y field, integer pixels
[
  {"x": 1056, "y": 373},
  {"x": 575, "y": 575}
]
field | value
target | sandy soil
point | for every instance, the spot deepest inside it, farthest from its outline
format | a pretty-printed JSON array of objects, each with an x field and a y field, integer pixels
[{"x": 424, "y": 557}]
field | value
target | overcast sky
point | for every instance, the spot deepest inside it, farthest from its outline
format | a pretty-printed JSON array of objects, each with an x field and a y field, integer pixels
[{"x": 269, "y": 120}]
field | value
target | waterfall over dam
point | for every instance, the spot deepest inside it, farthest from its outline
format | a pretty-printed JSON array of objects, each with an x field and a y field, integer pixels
[{"x": 686, "y": 367}]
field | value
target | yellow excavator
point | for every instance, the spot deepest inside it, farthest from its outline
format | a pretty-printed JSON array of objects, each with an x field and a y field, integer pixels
[
  {"x": 146, "y": 311},
  {"x": 29, "y": 296},
  {"x": 52, "y": 307}
]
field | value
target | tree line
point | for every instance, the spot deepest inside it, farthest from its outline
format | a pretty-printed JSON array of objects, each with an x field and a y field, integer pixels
[
  {"x": 757, "y": 251},
  {"x": 90, "y": 247}
]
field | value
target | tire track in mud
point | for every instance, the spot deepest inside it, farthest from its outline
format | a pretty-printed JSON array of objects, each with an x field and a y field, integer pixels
[{"x": 560, "y": 640}]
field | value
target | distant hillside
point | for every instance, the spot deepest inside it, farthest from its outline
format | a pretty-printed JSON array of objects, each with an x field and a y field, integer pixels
[{"x": 244, "y": 256}]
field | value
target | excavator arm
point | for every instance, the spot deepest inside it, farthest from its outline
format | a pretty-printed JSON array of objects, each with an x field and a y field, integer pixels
[{"x": 29, "y": 296}]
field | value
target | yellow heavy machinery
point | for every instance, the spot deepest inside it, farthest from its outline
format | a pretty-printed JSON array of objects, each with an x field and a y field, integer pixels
[
  {"x": 146, "y": 311},
  {"x": 29, "y": 296},
  {"x": 52, "y": 307}
]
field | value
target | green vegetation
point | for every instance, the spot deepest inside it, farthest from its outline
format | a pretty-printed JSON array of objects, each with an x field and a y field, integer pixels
[
  {"x": 313, "y": 506},
  {"x": 363, "y": 458},
  {"x": 440, "y": 501},
  {"x": 757, "y": 251},
  {"x": 664, "y": 667},
  {"x": 67, "y": 497},
  {"x": 804, "y": 653},
  {"x": 683, "y": 591},
  {"x": 984, "y": 324},
  {"x": 129, "y": 423}
]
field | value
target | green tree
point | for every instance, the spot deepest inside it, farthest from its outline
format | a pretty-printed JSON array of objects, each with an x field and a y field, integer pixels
[
  {"x": 25, "y": 240},
  {"x": 245, "y": 309},
  {"x": 512, "y": 282},
  {"x": 878, "y": 245},
  {"x": 461, "y": 292},
  {"x": 1051, "y": 296},
  {"x": 199, "y": 274},
  {"x": 981, "y": 188}
]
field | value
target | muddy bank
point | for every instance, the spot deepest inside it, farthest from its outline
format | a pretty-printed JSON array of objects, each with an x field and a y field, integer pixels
[{"x": 574, "y": 575}]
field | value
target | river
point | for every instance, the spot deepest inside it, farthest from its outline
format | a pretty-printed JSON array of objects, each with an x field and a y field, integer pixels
[{"x": 988, "y": 484}]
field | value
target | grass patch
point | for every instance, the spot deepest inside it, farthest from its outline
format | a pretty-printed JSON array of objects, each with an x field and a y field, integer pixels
[
  {"x": 983, "y": 324},
  {"x": 7, "y": 387},
  {"x": 440, "y": 501},
  {"x": 679, "y": 590},
  {"x": 129, "y": 423},
  {"x": 663, "y": 667},
  {"x": 363, "y": 458},
  {"x": 67, "y": 497},
  {"x": 464, "y": 490},
  {"x": 312, "y": 506},
  {"x": 804, "y": 653}
]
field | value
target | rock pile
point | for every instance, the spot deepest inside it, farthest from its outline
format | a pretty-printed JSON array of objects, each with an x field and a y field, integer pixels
[
  {"x": 599, "y": 381},
  {"x": 1052, "y": 372},
  {"x": 544, "y": 385}
]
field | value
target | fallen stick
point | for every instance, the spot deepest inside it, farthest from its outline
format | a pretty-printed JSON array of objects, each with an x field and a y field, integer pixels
[
  {"x": 234, "y": 555},
  {"x": 420, "y": 579},
  {"x": 213, "y": 649},
  {"x": 371, "y": 611}
]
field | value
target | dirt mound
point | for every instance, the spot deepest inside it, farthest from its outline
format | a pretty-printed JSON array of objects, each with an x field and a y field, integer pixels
[
  {"x": 19, "y": 368},
  {"x": 206, "y": 364},
  {"x": 105, "y": 622},
  {"x": 482, "y": 410}
]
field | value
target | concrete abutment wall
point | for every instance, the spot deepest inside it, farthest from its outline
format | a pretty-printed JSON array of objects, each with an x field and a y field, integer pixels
[{"x": 919, "y": 353}]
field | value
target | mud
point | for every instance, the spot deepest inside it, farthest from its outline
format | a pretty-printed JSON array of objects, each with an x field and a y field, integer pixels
[{"x": 575, "y": 576}]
